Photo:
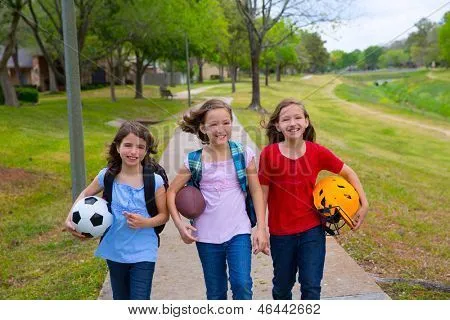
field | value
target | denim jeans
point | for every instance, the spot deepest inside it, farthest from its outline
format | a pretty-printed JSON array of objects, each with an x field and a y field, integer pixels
[
  {"x": 237, "y": 254},
  {"x": 303, "y": 252},
  {"x": 131, "y": 281}
]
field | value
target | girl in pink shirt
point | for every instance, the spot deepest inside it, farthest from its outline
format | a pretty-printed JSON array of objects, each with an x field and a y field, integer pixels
[{"x": 222, "y": 231}]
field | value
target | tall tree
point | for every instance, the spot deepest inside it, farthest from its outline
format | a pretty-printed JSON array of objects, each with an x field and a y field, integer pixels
[
  {"x": 444, "y": 39},
  {"x": 261, "y": 16},
  {"x": 318, "y": 55},
  {"x": 234, "y": 48},
  {"x": 10, "y": 11},
  {"x": 45, "y": 20}
]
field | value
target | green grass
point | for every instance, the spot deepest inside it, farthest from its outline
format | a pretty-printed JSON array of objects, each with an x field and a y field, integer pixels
[
  {"x": 383, "y": 75},
  {"x": 416, "y": 93},
  {"x": 441, "y": 74},
  {"x": 38, "y": 259},
  {"x": 405, "y": 171}
]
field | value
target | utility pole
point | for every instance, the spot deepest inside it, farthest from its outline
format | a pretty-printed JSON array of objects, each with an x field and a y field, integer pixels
[
  {"x": 188, "y": 71},
  {"x": 77, "y": 165}
]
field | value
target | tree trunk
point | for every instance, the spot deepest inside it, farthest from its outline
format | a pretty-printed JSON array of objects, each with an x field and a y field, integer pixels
[
  {"x": 200, "y": 70},
  {"x": 172, "y": 74},
  {"x": 221, "y": 72},
  {"x": 113, "y": 91},
  {"x": 267, "y": 75},
  {"x": 15, "y": 57},
  {"x": 8, "y": 89},
  {"x": 255, "y": 104},
  {"x": 120, "y": 63},
  {"x": 278, "y": 72},
  {"x": 233, "y": 78},
  {"x": 139, "y": 72},
  {"x": 53, "y": 85},
  {"x": 112, "y": 78}
]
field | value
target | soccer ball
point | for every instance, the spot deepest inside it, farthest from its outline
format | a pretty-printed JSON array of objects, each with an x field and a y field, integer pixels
[{"x": 91, "y": 217}]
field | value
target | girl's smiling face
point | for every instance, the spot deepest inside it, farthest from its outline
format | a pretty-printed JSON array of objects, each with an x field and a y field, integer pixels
[
  {"x": 292, "y": 122},
  {"x": 217, "y": 126},
  {"x": 132, "y": 150}
]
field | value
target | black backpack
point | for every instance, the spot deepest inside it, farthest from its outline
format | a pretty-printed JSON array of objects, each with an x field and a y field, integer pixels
[{"x": 149, "y": 189}]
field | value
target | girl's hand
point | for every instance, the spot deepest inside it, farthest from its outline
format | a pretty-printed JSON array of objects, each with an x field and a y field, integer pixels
[
  {"x": 260, "y": 243},
  {"x": 69, "y": 227},
  {"x": 186, "y": 233},
  {"x": 136, "y": 221},
  {"x": 360, "y": 215}
]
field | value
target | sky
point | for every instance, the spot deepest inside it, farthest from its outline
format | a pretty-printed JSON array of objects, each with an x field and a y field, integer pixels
[{"x": 378, "y": 22}]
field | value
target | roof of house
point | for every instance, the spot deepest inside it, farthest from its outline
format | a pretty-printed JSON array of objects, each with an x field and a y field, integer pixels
[{"x": 25, "y": 58}]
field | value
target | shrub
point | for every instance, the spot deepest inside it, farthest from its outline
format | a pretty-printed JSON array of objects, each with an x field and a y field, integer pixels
[
  {"x": 215, "y": 77},
  {"x": 27, "y": 94},
  {"x": 93, "y": 86}
]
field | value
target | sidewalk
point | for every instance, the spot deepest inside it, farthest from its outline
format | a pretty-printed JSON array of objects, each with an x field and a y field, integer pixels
[{"x": 179, "y": 275}]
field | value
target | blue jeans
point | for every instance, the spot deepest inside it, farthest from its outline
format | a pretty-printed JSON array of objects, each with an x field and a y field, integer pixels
[
  {"x": 237, "y": 253},
  {"x": 303, "y": 252},
  {"x": 131, "y": 281}
]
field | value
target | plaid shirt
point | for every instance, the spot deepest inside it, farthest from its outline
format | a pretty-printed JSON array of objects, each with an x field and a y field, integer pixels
[{"x": 237, "y": 153}]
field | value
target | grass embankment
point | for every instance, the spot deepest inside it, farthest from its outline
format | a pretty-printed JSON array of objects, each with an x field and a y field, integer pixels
[
  {"x": 38, "y": 260},
  {"x": 421, "y": 92},
  {"x": 405, "y": 171}
]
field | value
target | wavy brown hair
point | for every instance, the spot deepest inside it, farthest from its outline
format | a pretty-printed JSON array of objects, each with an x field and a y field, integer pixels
[
  {"x": 276, "y": 136},
  {"x": 191, "y": 121},
  {"x": 139, "y": 130}
]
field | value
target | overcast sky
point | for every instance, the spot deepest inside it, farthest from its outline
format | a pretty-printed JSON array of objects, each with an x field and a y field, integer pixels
[{"x": 378, "y": 22}]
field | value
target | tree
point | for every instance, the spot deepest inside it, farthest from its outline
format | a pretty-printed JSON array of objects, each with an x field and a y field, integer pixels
[
  {"x": 337, "y": 59},
  {"x": 110, "y": 36},
  {"x": 208, "y": 31},
  {"x": 444, "y": 39},
  {"x": 371, "y": 56},
  {"x": 46, "y": 24},
  {"x": 393, "y": 58},
  {"x": 260, "y": 16},
  {"x": 234, "y": 49},
  {"x": 10, "y": 11},
  {"x": 318, "y": 55}
]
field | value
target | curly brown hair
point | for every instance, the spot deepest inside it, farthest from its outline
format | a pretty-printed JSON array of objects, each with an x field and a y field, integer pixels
[
  {"x": 139, "y": 130},
  {"x": 276, "y": 136},
  {"x": 191, "y": 121}
]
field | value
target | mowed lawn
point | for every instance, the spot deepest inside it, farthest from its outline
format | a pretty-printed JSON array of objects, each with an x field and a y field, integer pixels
[
  {"x": 405, "y": 171},
  {"x": 38, "y": 259}
]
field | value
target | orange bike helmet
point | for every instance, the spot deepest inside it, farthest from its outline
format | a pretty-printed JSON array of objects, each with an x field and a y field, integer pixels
[{"x": 335, "y": 198}]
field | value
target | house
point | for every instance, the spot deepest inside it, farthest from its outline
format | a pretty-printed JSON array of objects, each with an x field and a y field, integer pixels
[{"x": 33, "y": 69}]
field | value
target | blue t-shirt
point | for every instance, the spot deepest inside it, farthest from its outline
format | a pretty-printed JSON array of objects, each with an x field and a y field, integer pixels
[{"x": 122, "y": 243}]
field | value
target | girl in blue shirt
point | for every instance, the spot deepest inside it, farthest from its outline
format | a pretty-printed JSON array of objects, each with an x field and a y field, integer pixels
[{"x": 130, "y": 246}]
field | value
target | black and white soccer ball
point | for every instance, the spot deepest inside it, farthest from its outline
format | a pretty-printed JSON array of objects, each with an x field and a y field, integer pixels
[{"x": 91, "y": 216}]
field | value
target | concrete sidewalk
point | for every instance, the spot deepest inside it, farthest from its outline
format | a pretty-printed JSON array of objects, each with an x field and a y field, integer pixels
[{"x": 179, "y": 275}]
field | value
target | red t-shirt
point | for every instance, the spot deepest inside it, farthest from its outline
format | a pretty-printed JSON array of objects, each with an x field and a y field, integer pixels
[{"x": 291, "y": 184}]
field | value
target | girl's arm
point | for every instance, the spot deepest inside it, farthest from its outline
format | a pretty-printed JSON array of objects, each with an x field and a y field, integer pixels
[
  {"x": 179, "y": 182},
  {"x": 91, "y": 190},
  {"x": 136, "y": 221},
  {"x": 348, "y": 174},
  {"x": 260, "y": 238}
]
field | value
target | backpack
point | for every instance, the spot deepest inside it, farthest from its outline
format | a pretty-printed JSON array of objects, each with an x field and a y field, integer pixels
[
  {"x": 149, "y": 171},
  {"x": 237, "y": 153}
]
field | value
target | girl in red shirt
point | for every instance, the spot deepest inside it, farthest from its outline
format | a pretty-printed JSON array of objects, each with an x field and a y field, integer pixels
[{"x": 288, "y": 170}]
